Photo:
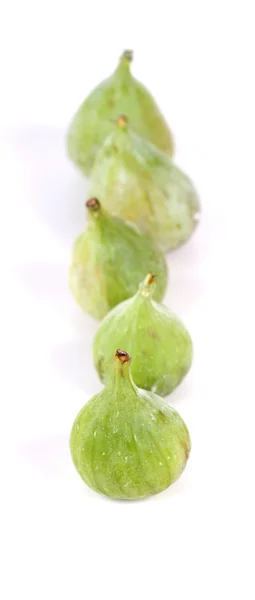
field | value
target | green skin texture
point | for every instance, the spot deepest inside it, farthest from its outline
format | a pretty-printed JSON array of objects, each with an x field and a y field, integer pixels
[
  {"x": 156, "y": 338},
  {"x": 138, "y": 182},
  {"x": 93, "y": 122},
  {"x": 109, "y": 260},
  {"x": 127, "y": 443}
]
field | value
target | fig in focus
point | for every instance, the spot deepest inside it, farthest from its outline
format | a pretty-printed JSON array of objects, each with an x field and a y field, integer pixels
[
  {"x": 138, "y": 182},
  {"x": 158, "y": 341},
  {"x": 128, "y": 443},
  {"x": 120, "y": 93},
  {"x": 108, "y": 261}
]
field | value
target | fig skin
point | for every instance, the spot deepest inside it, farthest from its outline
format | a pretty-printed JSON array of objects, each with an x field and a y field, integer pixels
[
  {"x": 108, "y": 261},
  {"x": 127, "y": 443},
  {"x": 120, "y": 93},
  {"x": 160, "y": 344},
  {"x": 139, "y": 183}
]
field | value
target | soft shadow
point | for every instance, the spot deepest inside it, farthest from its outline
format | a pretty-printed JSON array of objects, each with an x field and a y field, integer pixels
[
  {"x": 73, "y": 361},
  {"x": 60, "y": 200},
  {"x": 47, "y": 282},
  {"x": 188, "y": 255},
  {"x": 187, "y": 266},
  {"x": 50, "y": 456},
  {"x": 57, "y": 189},
  {"x": 182, "y": 393},
  {"x": 183, "y": 293}
]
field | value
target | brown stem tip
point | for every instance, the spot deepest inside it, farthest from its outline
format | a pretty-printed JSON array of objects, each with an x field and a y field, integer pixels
[
  {"x": 147, "y": 286},
  {"x": 93, "y": 204},
  {"x": 122, "y": 356},
  {"x": 122, "y": 122},
  {"x": 150, "y": 278}
]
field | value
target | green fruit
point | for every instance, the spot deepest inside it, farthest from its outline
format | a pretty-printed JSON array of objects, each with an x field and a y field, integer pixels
[
  {"x": 128, "y": 443},
  {"x": 155, "y": 337},
  {"x": 138, "y": 182},
  {"x": 109, "y": 260},
  {"x": 120, "y": 93}
]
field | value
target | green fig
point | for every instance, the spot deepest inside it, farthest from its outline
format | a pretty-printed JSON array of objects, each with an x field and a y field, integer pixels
[
  {"x": 128, "y": 443},
  {"x": 155, "y": 337},
  {"x": 138, "y": 182},
  {"x": 108, "y": 261},
  {"x": 120, "y": 93}
]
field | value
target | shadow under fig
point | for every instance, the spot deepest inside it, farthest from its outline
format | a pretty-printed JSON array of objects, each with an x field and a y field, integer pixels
[
  {"x": 48, "y": 284},
  {"x": 50, "y": 456},
  {"x": 73, "y": 361},
  {"x": 57, "y": 190},
  {"x": 60, "y": 202},
  {"x": 183, "y": 293},
  {"x": 181, "y": 394}
]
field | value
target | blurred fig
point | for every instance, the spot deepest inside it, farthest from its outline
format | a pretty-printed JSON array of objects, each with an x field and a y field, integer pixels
[
  {"x": 109, "y": 260},
  {"x": 138, "y": 182},
  {"x": 120, "y": 93},
  {"x": 158, "y": 341}
]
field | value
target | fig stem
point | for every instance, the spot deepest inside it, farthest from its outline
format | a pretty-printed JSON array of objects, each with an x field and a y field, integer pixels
[
  {"x": 122, "y": 122},
  {"x": 122, "y": 363},
  {"x": 93, "y": 205},
  {"x": 148, "y": 285},
  {"x": 122, "y": 356},
  {"x": 149, "y": 279},
  {"x": 127, "y": 55}
]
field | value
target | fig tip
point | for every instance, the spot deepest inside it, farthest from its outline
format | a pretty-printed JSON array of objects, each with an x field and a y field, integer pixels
[
  {"x": 122, "y": 356},
  {"x": 150, "y": 278},
  {"x": 93, "y": 203},
  {"x": 127, "y": 55},
  {"x": 147, "y": 286},
  {"x": 122, "y": 121}
]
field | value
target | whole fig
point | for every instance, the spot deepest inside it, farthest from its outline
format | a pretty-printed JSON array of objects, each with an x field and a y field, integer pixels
[
  {"x": 138, "y": 182},
  {"x": 108, "y": 261},
  {"x": 126, "y": 442},
  {"x": 120, "y": 93},
  {"x": 155, "y": 337}
]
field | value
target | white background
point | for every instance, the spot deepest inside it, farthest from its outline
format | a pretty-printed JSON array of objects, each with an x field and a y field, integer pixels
[{"x": 60, "y": 540}]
